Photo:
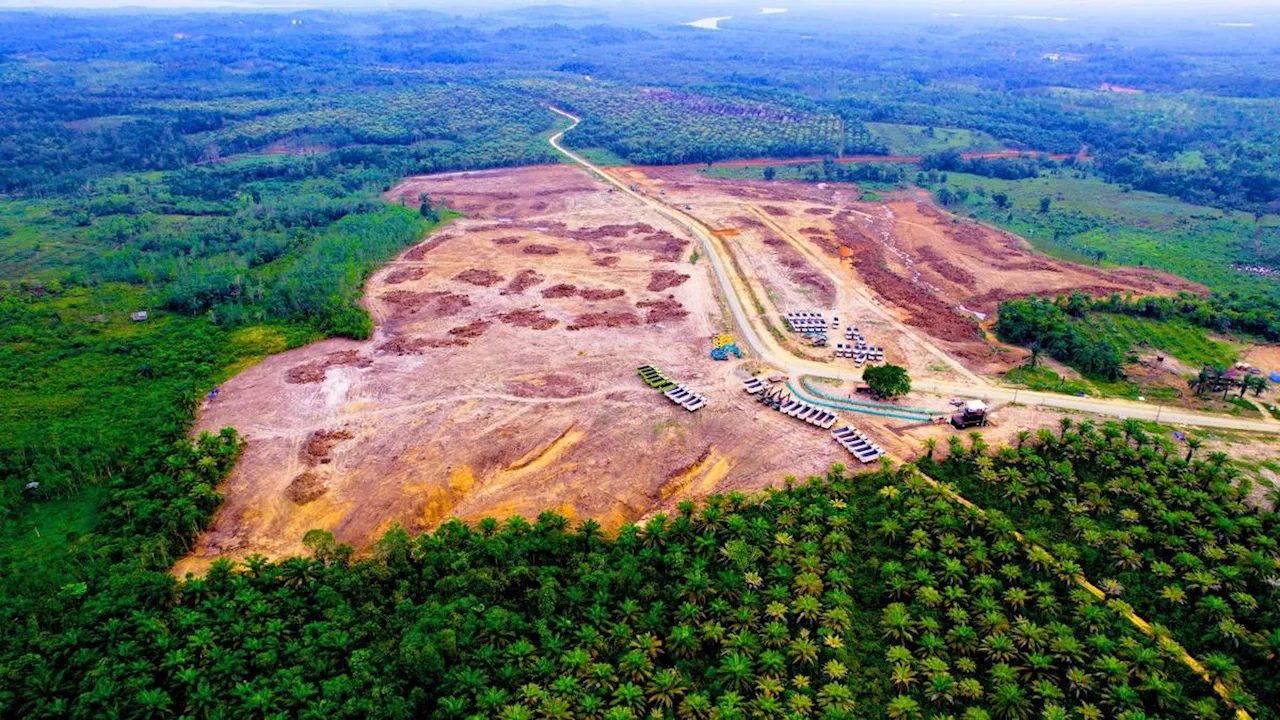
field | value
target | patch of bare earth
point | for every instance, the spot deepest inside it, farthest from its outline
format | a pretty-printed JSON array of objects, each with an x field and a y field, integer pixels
[
  {"x": 476, "y": 404},
  {"x": 665, "y": 280},
  {"x": 523, "y": 280},
  {"x": 484, "y": 404},
  {"x": 314, "y": 370},
  {"x": 479, "y": 278},
  {"x": 405, "y": 274}
]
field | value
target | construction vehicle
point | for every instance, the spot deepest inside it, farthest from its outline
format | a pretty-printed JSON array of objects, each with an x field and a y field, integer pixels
[{"x": 972, "y": 414}]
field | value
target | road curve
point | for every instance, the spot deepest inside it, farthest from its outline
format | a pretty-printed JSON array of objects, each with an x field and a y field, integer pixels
[{"x": 769, "y": 351}]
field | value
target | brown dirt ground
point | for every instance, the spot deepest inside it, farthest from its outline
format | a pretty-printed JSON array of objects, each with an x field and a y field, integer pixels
[
  {"x": 936, "y": 272},
  {"x": 502, "y": 417},
  {"x": 476, "y": 399}
]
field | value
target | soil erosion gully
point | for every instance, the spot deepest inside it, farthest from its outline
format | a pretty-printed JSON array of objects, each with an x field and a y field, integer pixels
[{"x": 767, "y": 348}]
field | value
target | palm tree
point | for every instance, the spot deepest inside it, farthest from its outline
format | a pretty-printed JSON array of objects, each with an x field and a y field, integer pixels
[
  {"x": 903, "y": 708},
  {"x": 1193, "y": 444},
  {"x": 695, "y": 706},
  {"x": 929, "y": 445}
]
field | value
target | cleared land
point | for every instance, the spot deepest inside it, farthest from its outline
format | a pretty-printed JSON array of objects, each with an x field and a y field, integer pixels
[
  {"x": 935, "y": 272},
  {"x": 500, "y": 379}
]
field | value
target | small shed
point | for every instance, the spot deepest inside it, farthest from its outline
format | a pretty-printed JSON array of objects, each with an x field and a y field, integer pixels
[{"x": 139, "y": 316}]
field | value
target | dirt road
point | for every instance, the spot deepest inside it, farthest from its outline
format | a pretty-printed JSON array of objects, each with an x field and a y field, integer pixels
[{"x": 764, "y": 346}]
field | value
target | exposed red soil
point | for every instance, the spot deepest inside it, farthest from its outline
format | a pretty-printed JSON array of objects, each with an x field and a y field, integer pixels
[
  {"x": 604, "y": 318},
  {"x": 306, "y": 487},
  {"x": 533, "y": 318},
  {"x": 451, "y": 304},
  {"x": 665, "y": 279},
  {"x": 601, "y": 293},
  {"x": 314, "y": 371},
  {"x": 560, "y": 290},
  {"x": 667, "y": 308},
  {"x": 481, "y": 278},
  {"x": 405, "y": 274},
  {"x": 419, "y": 252},
  {"x": 443, "y": 304},
  {"x": 940, "y": 265},
  {"x": 523, "y": 280},
  {"x": 926, "y": 311},
  {"x": 746, "y": 221},
  {"x": 408, "y": 298},
  {"x": 538, "y": 249},
  {"x": 319, "y": 447},
  {"x": 475, "y": 328}
]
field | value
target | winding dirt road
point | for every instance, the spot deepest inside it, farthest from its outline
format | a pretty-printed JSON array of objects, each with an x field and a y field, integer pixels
[{"x": 766, "y": 347}]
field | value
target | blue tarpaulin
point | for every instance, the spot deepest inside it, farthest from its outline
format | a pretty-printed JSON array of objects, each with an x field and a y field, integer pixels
[{"x": 1275, "y": 377}]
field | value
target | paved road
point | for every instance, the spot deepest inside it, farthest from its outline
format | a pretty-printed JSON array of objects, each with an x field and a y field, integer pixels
[{"x": 767, "y": 348}]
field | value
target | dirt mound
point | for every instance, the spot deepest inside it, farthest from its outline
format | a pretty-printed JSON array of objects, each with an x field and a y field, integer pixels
[
  {"x": 607, "y": 261},
  {"x": 314, "y": 371},
  {"x": 415, "y": 346},
  {"x": 537, "y": 249},
  {"x": 817, "y": 211},
  {"x": 444, "y": 342},
  {"x": 481, "y": 278},
  {"x": 473, "y": 329},
  {"x": 940, "y": 265},
  {"x": 420, "y": 251},
  {"x": 523, "y": 280},
  {"x": 530, "y": 318},
  {"x": 665, "y": 279},
  {"x": 662, "y": 246},
  {"x": 601, "y": 293},
  {"x": 927, "y": 311},
  {"x": 746, "y": 221},
  {"x": 561, "y": 290},
  {"x": 604, "y": 318},
  {"x": 451, "y": 304},
  {"x": 319, "y": 447},
  {"x": 406, "y": 274},
  {"x": 667, "y": 308},
  {"x": 508, "y": 240},
  {"x": 306, "y": 487},
  {"x": 775, "y": 211},
  {"x": 408, "y": 298}
]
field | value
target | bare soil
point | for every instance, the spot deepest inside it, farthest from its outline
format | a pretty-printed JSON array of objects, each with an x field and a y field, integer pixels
[
  {"x": 936, "y": 272},
  {"x": 473, "y": 400}
]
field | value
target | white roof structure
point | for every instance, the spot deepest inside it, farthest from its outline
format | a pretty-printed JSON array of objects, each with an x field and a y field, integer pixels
[{"x": 975, "y": 406}]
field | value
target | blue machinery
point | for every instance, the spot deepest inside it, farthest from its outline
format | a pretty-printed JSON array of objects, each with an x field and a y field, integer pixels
[{"x": 860, "y": 406}]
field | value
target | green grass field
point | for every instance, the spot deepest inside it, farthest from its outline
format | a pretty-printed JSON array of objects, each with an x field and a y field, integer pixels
[
  {"x": 921, "y": 140},
  {"x": 1044, "y": 379},
  {"x": 1188, "y": 343},
  {"x": 600, "y": 156},
  {"x": 1088, "y": 216}
]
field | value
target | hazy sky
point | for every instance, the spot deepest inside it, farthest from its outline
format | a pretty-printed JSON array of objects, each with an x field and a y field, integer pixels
[{"x": 1210, "y": 9}]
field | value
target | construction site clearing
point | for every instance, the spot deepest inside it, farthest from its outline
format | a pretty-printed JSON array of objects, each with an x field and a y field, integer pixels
[{"x": 498, "y": 379}]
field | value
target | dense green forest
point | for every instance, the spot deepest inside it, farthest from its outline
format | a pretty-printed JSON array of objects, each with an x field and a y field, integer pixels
[
  {"x": 1064, "y": 327},
  {"x": 226, "y": 173},
  {"x": 869, "y": 596}
]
